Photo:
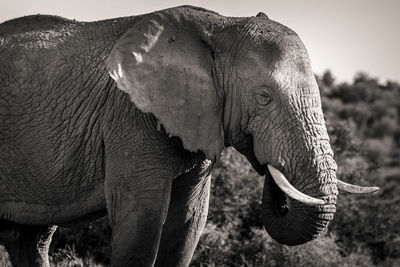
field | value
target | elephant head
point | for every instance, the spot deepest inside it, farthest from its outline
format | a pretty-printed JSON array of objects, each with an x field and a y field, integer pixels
[{"x": 215, "y": 81}]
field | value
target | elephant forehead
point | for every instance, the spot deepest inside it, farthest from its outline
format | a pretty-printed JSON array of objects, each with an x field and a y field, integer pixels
[
  {"x": 275, "y": 41},
  {"x": 288, "y": 57},
  {"x": 292, "y": 71},
  {"x": 298, "y": 83},
  {"x": 270, "y": 68}
]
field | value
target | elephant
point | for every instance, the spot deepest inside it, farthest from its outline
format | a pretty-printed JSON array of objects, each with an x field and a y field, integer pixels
[{"x": 126, "y": 117}]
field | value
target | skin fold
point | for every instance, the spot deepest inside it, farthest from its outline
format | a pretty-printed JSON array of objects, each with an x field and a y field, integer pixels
[{"x": 126, "y": 117}]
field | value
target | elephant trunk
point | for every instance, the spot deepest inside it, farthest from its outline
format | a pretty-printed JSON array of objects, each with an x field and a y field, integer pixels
[{"x": 294, "y": 222}]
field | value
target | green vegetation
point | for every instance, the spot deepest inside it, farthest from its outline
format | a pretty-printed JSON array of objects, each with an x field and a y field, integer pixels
[{"x": 363, "y": 119}]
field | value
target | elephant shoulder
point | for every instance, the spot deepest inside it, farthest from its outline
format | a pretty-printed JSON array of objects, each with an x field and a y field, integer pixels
[
  {"x": 36, "y": 31},
  {"x": 35, "y": 20}
]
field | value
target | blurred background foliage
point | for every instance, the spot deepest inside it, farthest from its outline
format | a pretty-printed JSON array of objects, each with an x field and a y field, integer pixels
[{"x": 363, "y": 119}]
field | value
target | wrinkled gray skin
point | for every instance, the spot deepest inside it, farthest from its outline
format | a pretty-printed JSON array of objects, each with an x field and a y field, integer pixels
[{"x": 74, "y": 147}]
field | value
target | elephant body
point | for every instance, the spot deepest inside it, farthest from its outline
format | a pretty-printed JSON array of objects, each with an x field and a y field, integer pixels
[
  {"x": 58, "y": 133},
  {"x": 52, "y": 153},
  {"x": 125, "y": 118},
  {"x": 68, "y": 118}
]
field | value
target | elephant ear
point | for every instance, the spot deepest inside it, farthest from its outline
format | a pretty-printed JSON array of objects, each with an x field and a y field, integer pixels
[{"x": 165, "y": 66}]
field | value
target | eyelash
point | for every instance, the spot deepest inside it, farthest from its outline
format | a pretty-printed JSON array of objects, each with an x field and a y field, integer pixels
[{"x": 263, "y": 98}]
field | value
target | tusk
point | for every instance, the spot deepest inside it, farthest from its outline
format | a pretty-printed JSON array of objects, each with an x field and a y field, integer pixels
[
  {"x": 355, "y": 189},
  {"x": 290, "y": 191}
]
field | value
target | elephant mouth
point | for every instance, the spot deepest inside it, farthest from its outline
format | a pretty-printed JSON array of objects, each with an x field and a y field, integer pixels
[
  {"x": 281, "y": 201},
  {"x": 261, "y": 169},
  {"x": 288, "y": 190}
]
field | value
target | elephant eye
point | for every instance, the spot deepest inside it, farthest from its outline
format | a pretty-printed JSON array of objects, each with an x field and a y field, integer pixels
[{"x": 263, "y": 98}]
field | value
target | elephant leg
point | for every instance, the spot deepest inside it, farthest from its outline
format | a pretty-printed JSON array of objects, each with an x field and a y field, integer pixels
[
  {"x": 137, "y": 207},
  {"x": 28, "y": 245},
  {"x": 8, "y": 232},
  {"x": 138, "y": 185},
  {"x": 187, "y": 215}
]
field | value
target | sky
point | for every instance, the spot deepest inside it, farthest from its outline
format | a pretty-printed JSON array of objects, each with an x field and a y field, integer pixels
[{"x": 344, "y": 36}]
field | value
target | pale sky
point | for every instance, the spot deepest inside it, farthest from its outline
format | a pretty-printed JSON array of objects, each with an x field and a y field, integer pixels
[{"x": 345, "y": 36}]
